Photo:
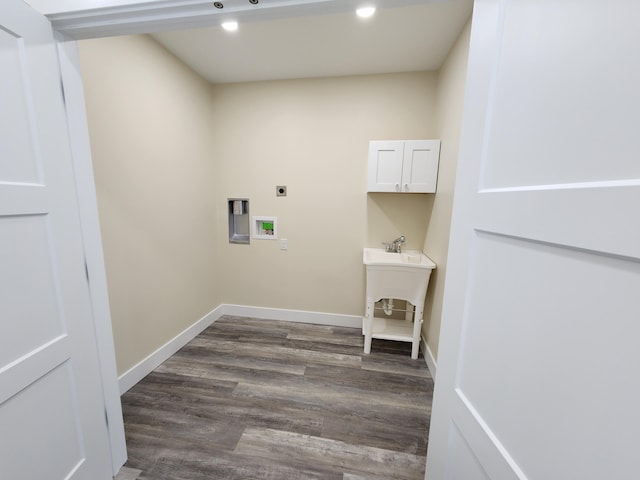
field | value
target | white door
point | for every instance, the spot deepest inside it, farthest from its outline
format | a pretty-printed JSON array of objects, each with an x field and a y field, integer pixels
[
  {"x": 52, "y": 417},
  {"x": 538, "y": 360}
]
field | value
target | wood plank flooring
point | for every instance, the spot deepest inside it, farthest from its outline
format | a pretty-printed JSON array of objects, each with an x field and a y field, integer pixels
[{"x": 262, "y": 399}]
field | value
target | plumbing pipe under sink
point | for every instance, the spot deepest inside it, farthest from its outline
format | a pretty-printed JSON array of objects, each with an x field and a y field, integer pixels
[{"x": 387, "y": 306}]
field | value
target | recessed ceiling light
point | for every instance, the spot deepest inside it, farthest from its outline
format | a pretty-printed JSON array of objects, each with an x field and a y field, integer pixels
[
  {"x": 230, "y": 26},
  {"x": 365, "y": 12}
]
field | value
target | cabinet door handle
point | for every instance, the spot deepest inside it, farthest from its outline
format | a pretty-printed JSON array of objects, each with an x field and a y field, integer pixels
[
  {"x": 397, "y": 187},
  {"x": 406, "y": 187}
]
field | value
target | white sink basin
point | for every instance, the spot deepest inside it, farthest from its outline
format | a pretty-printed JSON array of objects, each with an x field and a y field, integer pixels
[
  {"x": 403, "y": 276},
  {"x": 412, "y": 259}
]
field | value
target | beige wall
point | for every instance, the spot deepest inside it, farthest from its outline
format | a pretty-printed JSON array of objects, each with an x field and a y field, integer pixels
[
  {"x": 150, "y": 124},
  {"x": 313, "y": 136},
  {"x": 450, "y": 100},
  {"x": 168, "y": 151}
]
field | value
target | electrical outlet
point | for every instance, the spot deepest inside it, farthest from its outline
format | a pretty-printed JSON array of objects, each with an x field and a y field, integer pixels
[{"x": 284, "y": 244}]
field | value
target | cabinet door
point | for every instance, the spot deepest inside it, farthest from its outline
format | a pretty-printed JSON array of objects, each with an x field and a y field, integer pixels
[
  {"x": 420, "y": 166},
  {"x": 385, "y": 166}
]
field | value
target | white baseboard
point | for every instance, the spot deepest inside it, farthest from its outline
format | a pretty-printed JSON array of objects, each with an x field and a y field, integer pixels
[
  {"x": 136, "y": 373},
  {"x": 428, "y": 357},
  {"x": 302, "y": 316}
]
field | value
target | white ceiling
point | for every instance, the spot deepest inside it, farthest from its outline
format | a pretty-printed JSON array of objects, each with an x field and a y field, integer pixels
[{"x": 401, "y": 39}]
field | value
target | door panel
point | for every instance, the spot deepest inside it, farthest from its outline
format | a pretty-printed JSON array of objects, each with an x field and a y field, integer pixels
[
  {"x": 16, "y": 134},
  {"x": 51, "y": 402},
  {"x": 32, "y": 424},
  {"x": 465, "y": 463},
  {"x": 540, "y": 318},
  {"x": 582, "y": 78},
  {"x": 542, "y": 378},
  {"x": 29, "y": 295}
]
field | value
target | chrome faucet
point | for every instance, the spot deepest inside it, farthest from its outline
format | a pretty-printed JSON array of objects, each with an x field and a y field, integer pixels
[{"x": 395, "y": 246}]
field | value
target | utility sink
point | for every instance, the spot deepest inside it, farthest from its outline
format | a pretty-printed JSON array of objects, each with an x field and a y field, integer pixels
[
  {"x": 412, "y": 259},
  {"x": 397, "y": 275},
  {"x": 402, "y": 276}
]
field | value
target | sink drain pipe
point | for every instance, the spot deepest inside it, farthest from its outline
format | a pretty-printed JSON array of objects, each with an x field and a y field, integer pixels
[{"x": 387, "y": 306}]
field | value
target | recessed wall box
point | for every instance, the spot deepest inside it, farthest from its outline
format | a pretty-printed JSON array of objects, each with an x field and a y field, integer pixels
[
  {"x": 265, "y": 228},
  {"x": 238, "y": 211}
]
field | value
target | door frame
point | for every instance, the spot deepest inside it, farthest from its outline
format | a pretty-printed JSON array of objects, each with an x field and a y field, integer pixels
[
  {"x": 131, "y": 19},
  {"x": 92, "y": 241},
  {"x": 126, "y": 17}
]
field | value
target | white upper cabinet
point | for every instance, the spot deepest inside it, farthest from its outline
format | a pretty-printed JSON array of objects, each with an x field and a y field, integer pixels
[{"x": 409, "y": 166}]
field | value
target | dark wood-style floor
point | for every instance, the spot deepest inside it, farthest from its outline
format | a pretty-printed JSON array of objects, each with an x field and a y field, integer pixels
[{"x": 262, "y": 399}]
